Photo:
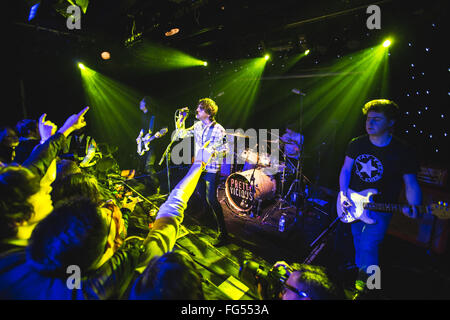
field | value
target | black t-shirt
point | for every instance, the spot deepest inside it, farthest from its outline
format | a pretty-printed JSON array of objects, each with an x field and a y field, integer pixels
[
  {"x": 148, "y": 122},
  {"x": 381, "y": 168}
]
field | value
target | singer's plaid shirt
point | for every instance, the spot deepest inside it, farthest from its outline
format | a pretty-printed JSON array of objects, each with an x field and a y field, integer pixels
[{"x": 217, "y": 139}]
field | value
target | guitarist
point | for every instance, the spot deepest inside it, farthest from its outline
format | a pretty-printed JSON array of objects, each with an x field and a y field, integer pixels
[
  {"x": 146, "y": 162},
  {"x": 380, "y": 161}
]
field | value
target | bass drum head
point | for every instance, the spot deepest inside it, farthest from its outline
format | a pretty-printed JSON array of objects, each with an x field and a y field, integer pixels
[{"x": 238, "y": 189}]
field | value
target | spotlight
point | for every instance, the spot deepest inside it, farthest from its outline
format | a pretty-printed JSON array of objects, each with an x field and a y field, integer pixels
[
  {"x": 387, "y": 43},
  {"x": 205, "y": 63},
  {"x": 81, "y": 66},
  {"x": 266, "y": 57},
  {"x": 307, "y": 52},
  {"x": 106, "y": 55},
  {"x": 172, "y": 32}
]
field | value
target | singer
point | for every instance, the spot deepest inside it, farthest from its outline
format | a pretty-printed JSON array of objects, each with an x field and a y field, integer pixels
[{"x": 207, "y": 129}]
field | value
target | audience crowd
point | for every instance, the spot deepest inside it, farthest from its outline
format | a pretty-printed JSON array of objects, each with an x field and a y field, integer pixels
[{"x": 63, "y": 233}]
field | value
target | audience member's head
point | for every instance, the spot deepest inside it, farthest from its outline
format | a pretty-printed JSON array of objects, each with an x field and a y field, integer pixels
[
  {"x": 77, "y": 185},
  {"x": 308, "y": 282},
  {"x": 78, "y": 232},
  {"x": 24, "y": 201},
  {"x": 8, "y": 142},
  {"x": 172, "y": 276},
  {"x": 28, "y": 128},
  {"x": 65, "y": 167}
]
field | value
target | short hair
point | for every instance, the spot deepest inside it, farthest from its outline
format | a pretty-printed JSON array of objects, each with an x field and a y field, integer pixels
[
  {"x": 17, "y": 185},
  {"x": 172, "y": 276},
  {"x": 9, "y": 135},
  {"x": 77, "y": 185},
  {"x": 209, "y": 106},
  {"x": 26, "y": 127},
  {"x": 315, "y": 281},
  {"x": 75, "y": 233},
  {"x": 65, "y": 167},
  {"x": 387, "y": 107}
]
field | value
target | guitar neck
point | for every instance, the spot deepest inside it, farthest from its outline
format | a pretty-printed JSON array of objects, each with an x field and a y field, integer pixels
[{"x": 390, "y": 207}]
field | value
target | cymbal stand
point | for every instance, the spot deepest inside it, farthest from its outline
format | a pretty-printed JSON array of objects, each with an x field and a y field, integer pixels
[{"x": 252, "y": 182}]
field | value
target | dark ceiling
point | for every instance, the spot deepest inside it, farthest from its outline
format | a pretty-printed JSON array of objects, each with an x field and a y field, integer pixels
[
  {"x": 225, "y": 29},
  {"x": 213, "y": 30}
]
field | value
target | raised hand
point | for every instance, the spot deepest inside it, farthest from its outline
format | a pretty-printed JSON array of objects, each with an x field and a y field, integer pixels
[
  {"x": 74, "y": 122},
  {"x": 46, "y": 128}
]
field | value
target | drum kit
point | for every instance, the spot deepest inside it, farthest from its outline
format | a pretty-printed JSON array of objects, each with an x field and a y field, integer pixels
[{"x": 261, "y": 178}]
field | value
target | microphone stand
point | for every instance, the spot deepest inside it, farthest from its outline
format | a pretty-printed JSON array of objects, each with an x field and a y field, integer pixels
[
  {"x": 298, "y": 180},
  {"x": 167, "y": 156},
  {"x": 167, "y": 151}
]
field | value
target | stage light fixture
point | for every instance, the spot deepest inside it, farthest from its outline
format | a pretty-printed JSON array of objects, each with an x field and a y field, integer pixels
[
  {"x": 307, "y": 52},
  {"x": 81, "y": 66},
  {"x": 172, "y": 32},
  {"x": 105, "y": 55},
  {"x": 387, "y": 43},
  {"x": 266, "y": 57},
  {"x": 205, "y": 63}
]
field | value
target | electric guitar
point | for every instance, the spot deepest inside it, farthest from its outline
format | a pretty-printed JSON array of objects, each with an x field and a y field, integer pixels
[
  {"x": 147, "y": 139},
  {"x": 363, "y": 203}
]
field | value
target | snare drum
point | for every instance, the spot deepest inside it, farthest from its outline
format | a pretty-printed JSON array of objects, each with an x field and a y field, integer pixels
[{"x": 239, "y": 193}]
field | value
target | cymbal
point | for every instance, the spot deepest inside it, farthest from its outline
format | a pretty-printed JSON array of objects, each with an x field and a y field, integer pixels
[
  {"x": 237, "y": 135},
  {"x": 273, "y": 141}
]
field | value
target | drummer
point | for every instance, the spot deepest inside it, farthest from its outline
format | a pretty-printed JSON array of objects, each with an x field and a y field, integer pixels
[{"x": 293, "y": 142}]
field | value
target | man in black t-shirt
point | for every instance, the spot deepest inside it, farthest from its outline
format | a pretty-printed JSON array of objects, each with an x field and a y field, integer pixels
[{"x": 378, "y": 161}]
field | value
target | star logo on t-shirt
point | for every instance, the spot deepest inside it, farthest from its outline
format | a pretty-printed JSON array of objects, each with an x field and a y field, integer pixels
[{"x": 368, "y": 168}]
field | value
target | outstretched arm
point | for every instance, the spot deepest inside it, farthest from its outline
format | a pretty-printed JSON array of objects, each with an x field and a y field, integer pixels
[{"x": 163, "y": 235}]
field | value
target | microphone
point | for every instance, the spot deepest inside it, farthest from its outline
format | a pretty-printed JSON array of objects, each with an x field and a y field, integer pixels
[{"x": 297, "y": 91}]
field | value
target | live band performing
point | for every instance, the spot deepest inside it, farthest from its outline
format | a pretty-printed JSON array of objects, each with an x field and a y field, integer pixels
[{"x": 290, "y": 173}]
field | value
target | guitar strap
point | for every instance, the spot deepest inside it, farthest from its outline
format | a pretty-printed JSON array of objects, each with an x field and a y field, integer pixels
[
  {"x": 151, "y": 124},
  {"x": 210, "y": 131}
]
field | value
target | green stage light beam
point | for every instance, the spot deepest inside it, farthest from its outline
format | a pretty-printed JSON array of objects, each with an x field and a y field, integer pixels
[
  {"x": 159, "y": 58},
  {"x": 114, "y": 107},
  {"x": 240, "y": 82},
  {"x": 339, "y": 96}
]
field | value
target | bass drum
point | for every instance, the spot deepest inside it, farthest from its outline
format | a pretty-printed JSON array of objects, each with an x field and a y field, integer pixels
[{"x": 238, "y": 189}]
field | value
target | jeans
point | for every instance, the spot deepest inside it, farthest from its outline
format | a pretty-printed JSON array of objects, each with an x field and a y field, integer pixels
[
  {"x": 208, "y": 186},
  {"x": 367, "y": 239}
]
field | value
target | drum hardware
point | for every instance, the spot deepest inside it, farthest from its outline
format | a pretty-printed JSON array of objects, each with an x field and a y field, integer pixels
[{"x": 239, "y": 135}]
